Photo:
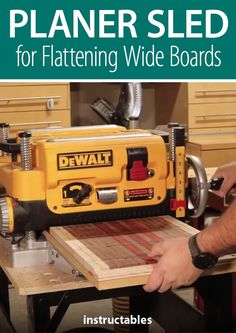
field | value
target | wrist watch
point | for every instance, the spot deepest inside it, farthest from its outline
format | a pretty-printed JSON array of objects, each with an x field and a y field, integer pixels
[{"x": 201, "y": 260}]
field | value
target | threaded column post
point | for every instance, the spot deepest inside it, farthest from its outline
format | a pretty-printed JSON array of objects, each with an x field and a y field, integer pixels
[
  {"x": 4, "y": 134},
  {"x": 26, "y": 151},
  {"x": 133, "y": 123}
]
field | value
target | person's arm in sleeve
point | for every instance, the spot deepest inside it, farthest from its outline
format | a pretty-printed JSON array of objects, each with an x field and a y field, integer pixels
[{"x": 174, "y": 267}]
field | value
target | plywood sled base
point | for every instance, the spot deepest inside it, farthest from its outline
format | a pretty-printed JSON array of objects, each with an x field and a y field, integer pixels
[{"x": 115, "y": 254}]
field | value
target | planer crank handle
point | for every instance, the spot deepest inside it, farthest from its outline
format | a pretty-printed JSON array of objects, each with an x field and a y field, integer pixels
[{"x": 215, "y": 183}]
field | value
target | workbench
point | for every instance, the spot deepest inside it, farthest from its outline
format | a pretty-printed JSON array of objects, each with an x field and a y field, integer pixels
[{"x": 46, "y": 286}]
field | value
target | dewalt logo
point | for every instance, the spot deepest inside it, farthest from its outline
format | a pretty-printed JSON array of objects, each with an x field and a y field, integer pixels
[{"x": 80, "y": 160}]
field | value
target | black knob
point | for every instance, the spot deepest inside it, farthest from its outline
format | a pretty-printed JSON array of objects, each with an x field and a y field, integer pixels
[
  {"x": 215, "y": 184},
  {"x": 82, "y": 194},
  {"x": 4, "y": 125},
  {"x": 26, "y": 134}
]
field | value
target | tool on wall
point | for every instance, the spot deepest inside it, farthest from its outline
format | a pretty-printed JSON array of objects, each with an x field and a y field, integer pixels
[{"x": 128, "y": 109}]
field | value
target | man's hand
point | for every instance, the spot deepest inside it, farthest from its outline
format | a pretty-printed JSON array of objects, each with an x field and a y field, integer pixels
[
  {"x": 174, "y": 267},
  {"x": 228, "y": 172}
]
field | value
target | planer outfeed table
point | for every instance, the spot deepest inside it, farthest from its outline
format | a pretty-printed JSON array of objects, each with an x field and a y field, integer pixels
[{"x": 46, "y": 286}]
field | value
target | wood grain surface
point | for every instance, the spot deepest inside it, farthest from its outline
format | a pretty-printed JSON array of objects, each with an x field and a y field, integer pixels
[{"x": 115, "y": 254}]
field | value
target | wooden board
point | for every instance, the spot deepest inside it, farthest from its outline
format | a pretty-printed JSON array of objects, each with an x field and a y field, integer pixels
[
  {"x": 209, "y": 172},
  {"x": 41, "y": 279},
  {"x": 115, "y": 254}
]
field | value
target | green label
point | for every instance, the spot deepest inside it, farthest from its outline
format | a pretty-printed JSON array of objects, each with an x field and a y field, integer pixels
[{"x": 112, "y": 40}]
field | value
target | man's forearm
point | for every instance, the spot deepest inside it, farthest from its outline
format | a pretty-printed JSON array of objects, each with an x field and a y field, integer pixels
[{"x": 220, "y": 237}]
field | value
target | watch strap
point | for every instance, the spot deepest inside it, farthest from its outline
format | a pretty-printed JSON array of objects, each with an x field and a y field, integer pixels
[
  {"x": 193, "y": 246},
  {"x": 200, "y": 259}
]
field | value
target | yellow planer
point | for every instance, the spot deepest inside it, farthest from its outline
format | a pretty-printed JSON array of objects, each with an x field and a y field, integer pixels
[{"x": 84, "y": 174}]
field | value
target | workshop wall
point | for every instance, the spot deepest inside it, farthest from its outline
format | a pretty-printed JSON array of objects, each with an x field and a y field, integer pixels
[
  {"x": 39, "y": 104},
  {"x": 83, "y": 94},
  {"x": 207, "y": 109}
]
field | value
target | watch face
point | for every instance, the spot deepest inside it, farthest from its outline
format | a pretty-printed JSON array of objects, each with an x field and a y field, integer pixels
[{"x": 204, "y": 260}]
